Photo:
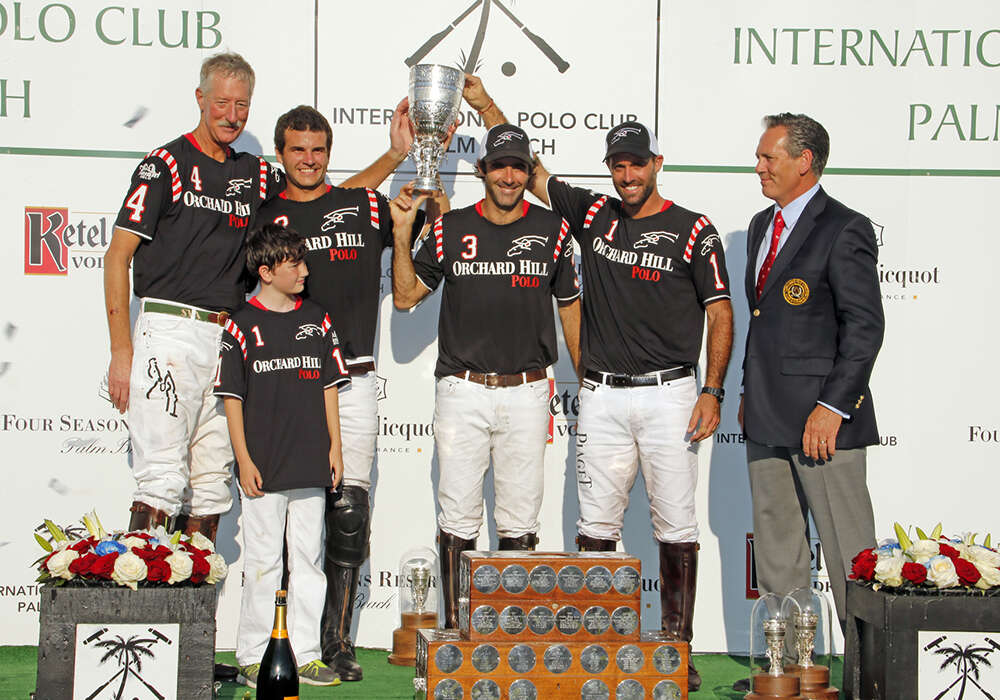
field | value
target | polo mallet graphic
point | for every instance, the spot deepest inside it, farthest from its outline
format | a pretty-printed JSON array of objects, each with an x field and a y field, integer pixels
[{"x": 561, "y": 65}]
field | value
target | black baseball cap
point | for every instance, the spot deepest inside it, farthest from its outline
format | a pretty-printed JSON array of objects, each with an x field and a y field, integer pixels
[
  {"x": 631, "y": 137},
  {"x": 506, "y": 141}
]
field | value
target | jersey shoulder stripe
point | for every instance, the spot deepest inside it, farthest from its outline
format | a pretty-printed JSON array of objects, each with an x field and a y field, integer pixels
[
  {"x": 327, "y": 325},
  {"x": 592, "y": 211},
  {"x": 439, "y": 239},
  {"x": 563, "y": 230},
  {"x": 701, "y": 223},
  {"x": 373, "y": 206},
  {"x": 237, "y": 335},
  {"x": 263, "y": 178},
  {"x": 171, "y": 163}
]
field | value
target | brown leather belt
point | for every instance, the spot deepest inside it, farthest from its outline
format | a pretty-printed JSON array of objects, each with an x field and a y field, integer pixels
[
  {"x": 360, "y": 368},
  {"x": 493, "y": 380}
]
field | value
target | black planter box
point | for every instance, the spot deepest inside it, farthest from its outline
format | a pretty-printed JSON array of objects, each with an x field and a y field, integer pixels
[
  {"x": 881, "y": 653},
  {"x": 192, "y": 608}
]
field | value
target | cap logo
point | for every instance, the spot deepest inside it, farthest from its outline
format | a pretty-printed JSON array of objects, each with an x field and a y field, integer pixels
[
  {"x": 623, "y": 133},
  {"x": 505, "y": 137}
]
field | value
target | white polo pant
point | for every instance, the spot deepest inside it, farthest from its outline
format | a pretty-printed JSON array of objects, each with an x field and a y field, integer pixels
[
  {"x": 472, "y": 424},
  {"x": 620, "y": 429},
  {"x": 359, "y": 428},
  {"x": 181, "y": 452},
  {"x": 264, "y": 524}
]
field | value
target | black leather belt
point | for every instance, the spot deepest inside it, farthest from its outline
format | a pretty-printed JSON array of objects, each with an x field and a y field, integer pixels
[
  {"x": 628, "y": 380},
  {"x": 360, "y": 368},
  {"x": 501, "y": 380}
]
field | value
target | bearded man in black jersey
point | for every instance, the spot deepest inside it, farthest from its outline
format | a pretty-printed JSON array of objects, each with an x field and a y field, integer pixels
[
  {"x": 501, "y": 260},
  {"x": 652, "y": 272},
  {"x": 345, "y": 228}
]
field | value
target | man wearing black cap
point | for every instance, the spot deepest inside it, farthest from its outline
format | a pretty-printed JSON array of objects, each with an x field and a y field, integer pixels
[
  {"x": 652, "y": 271},
  {"x": 502, "y": 260}
]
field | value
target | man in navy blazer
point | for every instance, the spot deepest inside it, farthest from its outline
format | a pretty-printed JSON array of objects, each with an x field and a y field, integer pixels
[{"x": 816, "y": 325}]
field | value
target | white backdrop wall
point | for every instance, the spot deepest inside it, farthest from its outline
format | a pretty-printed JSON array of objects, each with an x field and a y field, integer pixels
[{"x": 86, "y": 89}]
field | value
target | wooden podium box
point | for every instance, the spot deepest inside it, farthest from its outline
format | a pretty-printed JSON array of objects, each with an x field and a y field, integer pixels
[{"x": 447, "y": 664}]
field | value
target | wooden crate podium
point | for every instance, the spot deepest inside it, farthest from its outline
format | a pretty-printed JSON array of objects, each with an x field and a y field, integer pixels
[{"x": 538, "y": 625}]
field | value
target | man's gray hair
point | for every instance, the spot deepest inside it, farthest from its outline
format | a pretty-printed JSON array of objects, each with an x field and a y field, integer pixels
[
  {"x": 804, "y": 133},
  {"x": 226, "y": 65}
]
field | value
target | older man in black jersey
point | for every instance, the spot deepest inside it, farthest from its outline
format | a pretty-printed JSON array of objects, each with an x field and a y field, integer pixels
[{"x": 501, "y": 260}]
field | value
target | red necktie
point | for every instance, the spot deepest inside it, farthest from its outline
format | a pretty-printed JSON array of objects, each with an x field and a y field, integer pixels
[{"x": 779, "y": 226}]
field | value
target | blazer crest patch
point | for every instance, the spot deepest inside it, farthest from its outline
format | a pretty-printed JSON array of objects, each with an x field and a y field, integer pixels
[{"x": 796, "y": 291}]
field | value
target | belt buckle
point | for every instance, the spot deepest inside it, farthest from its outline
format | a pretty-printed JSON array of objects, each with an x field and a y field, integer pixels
[
  {"x": 619, "y": 380},
  {"x": 486, "y": 379},
  {"x": 222, "y": 317}
]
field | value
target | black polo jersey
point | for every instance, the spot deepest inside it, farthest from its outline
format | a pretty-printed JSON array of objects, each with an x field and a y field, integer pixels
[
  {"x": 279, "y": 364},
  {"x": 192, "y": 213},
  {"x": 345, "y": 231},
  {"x": 646, "y": 281},
  {"x": 496, "y": 307}
]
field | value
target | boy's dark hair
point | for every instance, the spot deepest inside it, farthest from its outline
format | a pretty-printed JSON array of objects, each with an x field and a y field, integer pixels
[
  {"x": 301, "y": 118},
  {"x": 271, "y": 245}
]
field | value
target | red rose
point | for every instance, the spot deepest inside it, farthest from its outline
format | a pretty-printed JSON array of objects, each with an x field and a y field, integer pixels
[
  {"x": 103, "y": 566},
  {"x": 948, "y": 551},
  {"x": 157, "y": 570},
  {"x": 81, "y": 565},
  {"x": 148, "y": 555},
  {"x": 864, "y": 565},
  {"x": 967, "y": 572},
  {"x": 199, "y": 568},
  {"x": 914, "y": 573},
  {"x": 81, "y": 546},
  {"x": 194, "y": 551}
]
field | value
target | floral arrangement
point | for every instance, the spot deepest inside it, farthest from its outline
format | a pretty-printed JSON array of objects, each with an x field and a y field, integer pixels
[
  {"x": 933, "y": 562},
  {"x": 96, "y": 557}
]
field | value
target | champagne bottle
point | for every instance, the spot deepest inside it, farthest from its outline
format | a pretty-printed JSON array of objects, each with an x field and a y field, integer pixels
[{"x": 278, "y": 678}]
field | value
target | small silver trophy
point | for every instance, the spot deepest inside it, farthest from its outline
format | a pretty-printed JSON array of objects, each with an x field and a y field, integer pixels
[
  {"x": 805, "y": 636},
  {"x": 774, "y": 636},
  {"x": 435, "y": 96},
  {"x": 420, "y": 580}
]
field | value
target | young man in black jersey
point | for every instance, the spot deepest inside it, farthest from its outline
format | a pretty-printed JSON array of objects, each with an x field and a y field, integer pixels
[
  {"x": 652, "y": 272},
  {"x": 501, "y": 260},
  {"x": 183, "y": 221},
  {"x": 346, "y": 229},
  {"x": 280, "y": 368}
]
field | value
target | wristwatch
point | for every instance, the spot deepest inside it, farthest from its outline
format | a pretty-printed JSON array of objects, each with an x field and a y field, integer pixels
[{"x": 720, "y": 394}]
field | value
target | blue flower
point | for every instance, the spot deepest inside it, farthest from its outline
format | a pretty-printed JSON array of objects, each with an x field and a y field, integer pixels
[{"x": 109, "y": 547}]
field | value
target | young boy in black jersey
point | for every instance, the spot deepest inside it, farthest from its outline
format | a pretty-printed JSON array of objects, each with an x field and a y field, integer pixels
[{"x": 279, "y": 369}]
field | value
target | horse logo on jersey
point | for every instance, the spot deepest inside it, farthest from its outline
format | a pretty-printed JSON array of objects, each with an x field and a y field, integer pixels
[
  {"x": 711, "y": 240},
  {"x": 524, "y": 244},
  {"x": 622, "y": 133},
  {"x": 332, "y": 218},
  {"x": 163, "y": 383},
  {"x": 309, "y": 330},
  {"x": 650, "y": 238},
  {"x": 148, "y": 171},
  {"x": 237, "y": 185}
]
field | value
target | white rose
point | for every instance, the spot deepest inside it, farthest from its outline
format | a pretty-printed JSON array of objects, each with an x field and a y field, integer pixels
[
  {"x": 59, "y": 562},
  {"x": 941, "y": 572},
  {"x": 136, "y": 542},
  {"x": 889, "y": 569},
  {"x": 982, "y": 555},
  {"x": 201, "y": 542},
  {"x": 180, "y": 566},
  {"x": 129, "y": 570},
  {"x": 218, "y": 570},
  {"x": 922, "y": 550},
  {"x": 990, "y": 576}
]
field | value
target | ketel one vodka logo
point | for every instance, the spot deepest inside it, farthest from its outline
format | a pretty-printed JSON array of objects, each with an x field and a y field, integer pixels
[
  {"x": 57, "y": 240},
  {"x": 470, "y": 61}
]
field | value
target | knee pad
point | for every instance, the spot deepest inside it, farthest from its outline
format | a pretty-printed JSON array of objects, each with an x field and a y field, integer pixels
[{"x": 348, "y": 527}]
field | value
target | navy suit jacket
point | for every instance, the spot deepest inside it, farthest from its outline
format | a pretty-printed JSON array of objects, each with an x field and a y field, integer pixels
[{"x": 817, "y": 327}]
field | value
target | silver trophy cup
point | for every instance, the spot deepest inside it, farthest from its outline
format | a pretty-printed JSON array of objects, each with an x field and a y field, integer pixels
[
  {"x": 435, "y": 96},
  {"x": 420, "y": 579}
]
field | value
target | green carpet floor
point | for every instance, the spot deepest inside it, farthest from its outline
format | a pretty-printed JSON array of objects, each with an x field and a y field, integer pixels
[{"x": 382, "y": 680}]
